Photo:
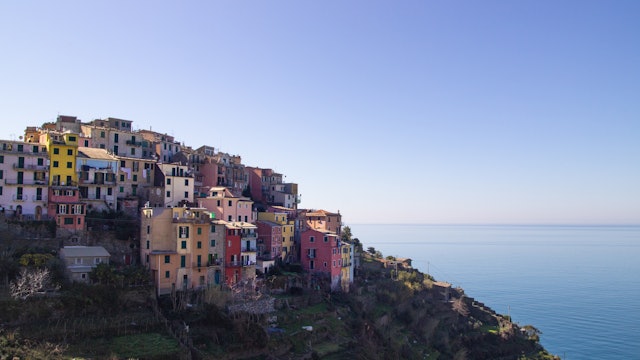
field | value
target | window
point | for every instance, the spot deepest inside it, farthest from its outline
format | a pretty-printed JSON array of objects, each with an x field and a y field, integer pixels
[
  {"x": 326, "y": 239},
  {"x": 168, "y": 181},
  {"x": 312, "y": 239},
  {"x": 183, "y": 261},
  {"x": 199, "y": 260},
  {"x": 70, "y": 152},
  {"x": 97, "y": 260},
  {"x": 0, "y": 190},
  {"x": 183, "y": 232},
  {"x": 40, "y": 161},
  {"x": 199, "y": 244},
  {"x": 230, "y": 218},
  {"x": 115, "y": 138},
  {"x": 213, "y": 243},
  {"x": 135, "y": 177},
  {"x": 199, "y": 231},
  {"x": 123, "y": 163},
  {"x": 186, "y": 194},
  {"x": 121, "y": 189},
  {"x": 213, "y": 228},
  {"x": 324, "y": 263},
  {"x": 311, "y": 264},
  {"x": 62, "y": 209},
  {"x": 56, "y": 151},
  {"x": 55, "y": 163},
  {"x": 334, "y": 263},
  {"x": 183, "y": 244},
  {"x": 102, "y": 134},
  {"x": 148, "y": 229},
  {"x": 148, "y": 244},
  {"x": 68, "y": 221},
  {"x": 186, "y": 182},
  {"x": 230, "y": 203},
  {"x": 168, "y": 193},
  {"x": 20, "y": 148},
  {"x": 109, "y": 191},
  {"x": 133, "y": 151},
  {"x": 167, "y": 274},
  {"x": 69, "y": 165},
  {"x": 34, "y": 148},
  {"x": 121, "y": 177},
  {"x": 218, "y": 202},
  {"x": 167, "y": 259},
  {"x": 1, "y": 173},
  {"x": 239, "y": 218}
]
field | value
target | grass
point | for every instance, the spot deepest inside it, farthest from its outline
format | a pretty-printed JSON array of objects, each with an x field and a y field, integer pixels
[{"x": 490, "y": 329}]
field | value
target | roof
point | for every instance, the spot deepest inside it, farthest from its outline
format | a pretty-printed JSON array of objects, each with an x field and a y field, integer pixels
[
  {"x": 321, "y": 213},
  {"x": 80, "y": 251},
  {"x": 94, "y": 153}
]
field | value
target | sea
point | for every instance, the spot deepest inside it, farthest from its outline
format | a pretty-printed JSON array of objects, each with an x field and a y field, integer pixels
[{"x": 578, "y": 285}]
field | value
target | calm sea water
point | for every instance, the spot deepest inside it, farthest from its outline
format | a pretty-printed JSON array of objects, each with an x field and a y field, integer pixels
[{"x": 579, "y": 285}]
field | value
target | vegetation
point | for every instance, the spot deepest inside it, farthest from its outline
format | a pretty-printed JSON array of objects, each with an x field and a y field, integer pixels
[{"x": 391, "y": 312}]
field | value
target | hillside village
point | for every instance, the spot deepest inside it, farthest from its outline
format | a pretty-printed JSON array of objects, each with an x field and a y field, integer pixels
[
  {"x": 205, "y": 218},
  {"x": 166, "y": 252}
]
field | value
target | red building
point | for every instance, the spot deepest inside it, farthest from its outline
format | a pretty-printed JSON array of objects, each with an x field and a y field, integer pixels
[
  {"x": 320, "y": 254},
  {"x": 233, "y": 253},
  {"x": 66, "y": 208}
]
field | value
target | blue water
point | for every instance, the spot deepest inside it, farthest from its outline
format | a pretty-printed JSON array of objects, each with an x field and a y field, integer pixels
[{"x": 579, "y": 285}]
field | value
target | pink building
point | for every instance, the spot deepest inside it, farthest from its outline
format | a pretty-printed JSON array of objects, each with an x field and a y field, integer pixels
[
  {"x": 228, "y": 207},
  {"x": 320, "y": 254}
]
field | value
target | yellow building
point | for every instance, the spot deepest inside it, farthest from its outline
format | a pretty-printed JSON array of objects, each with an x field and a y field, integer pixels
[
  {"x": 288, "y": 245},
  {"x": 346, "y": 275},
  {"x": 62, "y": 149}
]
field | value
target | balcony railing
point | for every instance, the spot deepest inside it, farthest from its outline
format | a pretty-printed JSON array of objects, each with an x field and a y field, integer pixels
[
  {"x": 234, "y": 263},
  {"x": 25, "y": 182},
  {"x": 65, "y": 183},
  {"x": 248, "y": 249},
  {"x": 248, "y": 263},
  {"x": 18, "y": 166},
  {"x": 215, "y": 262}
]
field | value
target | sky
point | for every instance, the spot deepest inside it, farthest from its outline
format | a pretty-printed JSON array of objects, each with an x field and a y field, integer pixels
[{"x": 437, "y": 112}]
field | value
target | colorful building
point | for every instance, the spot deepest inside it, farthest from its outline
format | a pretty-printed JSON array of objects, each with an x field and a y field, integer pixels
[
  {"x": 174, "y": 245},
  {"x": 23, "y": 179},
  {"x": 321, "y": 256}
]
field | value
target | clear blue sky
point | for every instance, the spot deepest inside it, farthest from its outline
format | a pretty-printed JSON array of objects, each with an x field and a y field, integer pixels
[{"x": 389, "y": 111}]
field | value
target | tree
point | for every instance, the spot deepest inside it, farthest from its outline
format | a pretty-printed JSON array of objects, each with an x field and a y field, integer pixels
[
  {"x": 29, "y": 282},
  {"x": 460, "y": 306}
]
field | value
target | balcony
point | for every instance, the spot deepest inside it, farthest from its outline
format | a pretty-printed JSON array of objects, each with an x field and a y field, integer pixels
[
  {"x": 248, "y": 249},
  {"x": 248, "y": 263},
  {"x": 234, "y": 263},
  {"x": 18, "y": 166},
  {"x": 215, "y": 262},
  {"x": 25, "y": 182}
]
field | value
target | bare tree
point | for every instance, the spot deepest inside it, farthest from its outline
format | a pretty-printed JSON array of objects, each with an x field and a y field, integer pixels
[
  {"x": 460, "y": 306},
  {"x": 29, "y": 282}
]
